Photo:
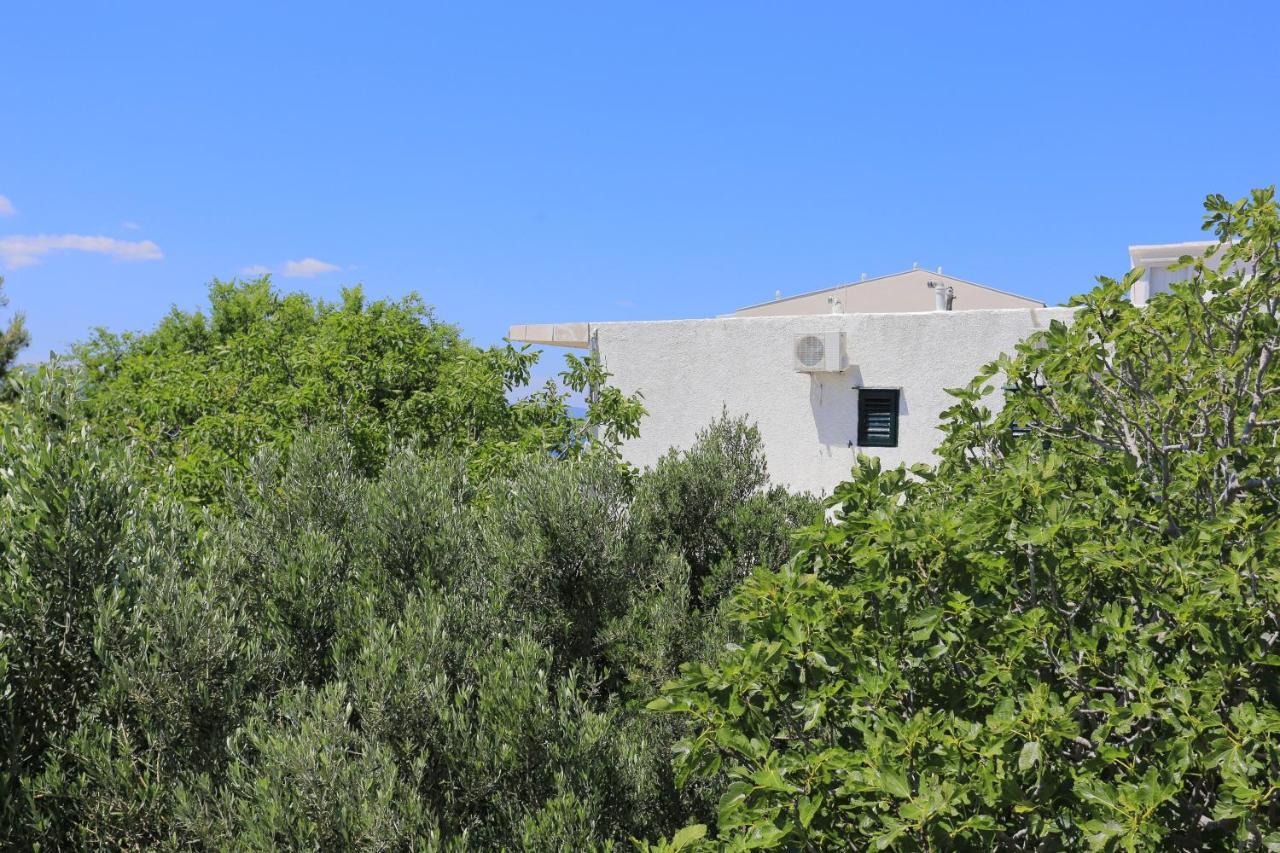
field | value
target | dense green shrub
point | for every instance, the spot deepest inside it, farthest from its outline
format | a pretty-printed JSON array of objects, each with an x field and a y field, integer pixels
[
  {"x": 417, "y": 653},
  {"x": 68, "y": 508},
  {"x": 1067, "y": 634},
  {"x": 13, "y": 338},
  {"x": 203, "y": 393},
  {"x": 714, "y": 505}
]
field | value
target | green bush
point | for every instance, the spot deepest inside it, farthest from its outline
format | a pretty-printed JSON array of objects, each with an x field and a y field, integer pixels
[
  {"x": 13, "y": 338},
  {"x": 714, "y": 505},
  {"x": 1064, "y": 636},
  {"x": 204, "y": 393},
  {"x": 418, "y": 653},
  {"x": 69, "y": 513}
]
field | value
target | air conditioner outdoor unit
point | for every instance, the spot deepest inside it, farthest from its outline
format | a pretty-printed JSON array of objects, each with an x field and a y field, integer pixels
[{"x": 822, "y": 352}]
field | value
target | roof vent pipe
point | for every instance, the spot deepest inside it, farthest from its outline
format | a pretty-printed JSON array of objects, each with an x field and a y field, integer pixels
[{"x": 943, "y": 295}]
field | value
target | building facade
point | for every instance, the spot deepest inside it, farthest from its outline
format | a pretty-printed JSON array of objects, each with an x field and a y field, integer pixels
[
  {"x": 1157, "y": 262},
  {"x": 824, "y": 375},
  {"x": 813, "y": 423}
]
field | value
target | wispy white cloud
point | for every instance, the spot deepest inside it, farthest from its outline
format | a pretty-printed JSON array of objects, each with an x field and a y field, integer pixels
[
  {"x": 306, "y": 268},
  {"x": 6, "y": 207},
  {"x": 130, "y": 226},
  {"x": 21, "y": 250}
]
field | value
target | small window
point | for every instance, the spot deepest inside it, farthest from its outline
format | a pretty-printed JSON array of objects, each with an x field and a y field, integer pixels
[{"x": 878, "y": 417}]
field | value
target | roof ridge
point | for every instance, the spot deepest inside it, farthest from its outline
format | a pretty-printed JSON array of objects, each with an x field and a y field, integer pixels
[{"x": 888, "y": 275}]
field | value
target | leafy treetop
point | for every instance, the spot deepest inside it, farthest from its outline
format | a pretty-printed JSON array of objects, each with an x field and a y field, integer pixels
[
  {"x": 203, "y": 392},
  {"x": 1062, "y": 636}
]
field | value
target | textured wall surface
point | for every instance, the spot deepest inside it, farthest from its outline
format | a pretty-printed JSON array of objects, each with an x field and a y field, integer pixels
[{"x": 688, "y": 370}]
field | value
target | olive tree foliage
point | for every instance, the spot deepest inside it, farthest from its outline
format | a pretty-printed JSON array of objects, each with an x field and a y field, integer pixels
[
  {"x": 716, "y": 503},
  {"x": 1066, "y": 635},
  {"x": 433, "y": 649},
  {"x": 13, "y": 338}
]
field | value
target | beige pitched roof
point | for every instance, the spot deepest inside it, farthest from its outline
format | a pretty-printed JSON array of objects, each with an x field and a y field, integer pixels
[
  {"x": 906, "y": 291},
  {"x": 887, "y": 294}
]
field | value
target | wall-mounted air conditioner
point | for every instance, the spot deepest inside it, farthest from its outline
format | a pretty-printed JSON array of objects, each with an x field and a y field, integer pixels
[{"x": 822, "y": 352}]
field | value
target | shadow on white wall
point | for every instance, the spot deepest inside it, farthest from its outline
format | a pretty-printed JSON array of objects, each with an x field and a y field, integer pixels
[{"x": 833, "y": 399}]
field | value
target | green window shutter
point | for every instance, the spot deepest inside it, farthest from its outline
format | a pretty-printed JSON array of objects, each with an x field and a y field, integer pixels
[{"x": 878, "y": 417}]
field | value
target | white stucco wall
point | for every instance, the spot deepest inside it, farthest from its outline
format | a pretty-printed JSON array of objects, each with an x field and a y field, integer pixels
[{"x": 688, "y": 370}]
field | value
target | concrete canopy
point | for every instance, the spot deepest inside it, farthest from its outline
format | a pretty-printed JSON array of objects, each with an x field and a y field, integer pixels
[{"x": 552, "y": 334}]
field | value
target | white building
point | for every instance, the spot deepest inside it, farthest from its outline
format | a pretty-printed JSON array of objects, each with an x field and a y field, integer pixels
[
  {"x": 1155, "y": 261},
  {"x": 857, "y": 368}
]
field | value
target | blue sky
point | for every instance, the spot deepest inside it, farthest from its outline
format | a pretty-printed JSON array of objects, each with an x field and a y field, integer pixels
[{"x": 557, "y": 162}]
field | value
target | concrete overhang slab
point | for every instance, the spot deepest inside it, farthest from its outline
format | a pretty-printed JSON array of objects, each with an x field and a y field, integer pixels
[{"x": 552, "y": 334}]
